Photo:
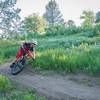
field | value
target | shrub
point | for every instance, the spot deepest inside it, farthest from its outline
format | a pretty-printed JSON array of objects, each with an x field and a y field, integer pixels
[
  {"x": 88, "y": 31},
  {"x": 5, "y": 86},
  {"x": 97, "y": 29},
  {"x": 62, "y": 30}
]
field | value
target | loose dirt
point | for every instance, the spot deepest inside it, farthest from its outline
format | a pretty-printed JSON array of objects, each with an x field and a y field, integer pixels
[{"x": 56, "y": 86}]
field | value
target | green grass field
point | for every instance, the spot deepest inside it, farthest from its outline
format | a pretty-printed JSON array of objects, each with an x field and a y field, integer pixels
[
  {"x": 64, "y": 53},
  {"x": 8, "y": 50}
]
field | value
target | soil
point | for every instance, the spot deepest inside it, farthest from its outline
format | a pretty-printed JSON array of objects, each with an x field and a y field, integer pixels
[{"x": 56, "y": 86}]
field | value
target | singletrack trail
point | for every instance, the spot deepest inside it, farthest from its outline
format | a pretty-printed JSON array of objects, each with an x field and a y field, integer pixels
[{"x": 55, "y": 86}]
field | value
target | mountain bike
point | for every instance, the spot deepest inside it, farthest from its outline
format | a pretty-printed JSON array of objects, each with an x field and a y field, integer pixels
[{"x": 18, "y": 66}]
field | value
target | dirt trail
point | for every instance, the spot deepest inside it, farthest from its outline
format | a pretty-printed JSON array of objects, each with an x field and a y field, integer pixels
[{"x": 53, "y": 86}]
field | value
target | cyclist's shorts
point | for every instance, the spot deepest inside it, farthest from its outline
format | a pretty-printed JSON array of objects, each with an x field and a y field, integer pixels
[{"x": 20, "y": 53}]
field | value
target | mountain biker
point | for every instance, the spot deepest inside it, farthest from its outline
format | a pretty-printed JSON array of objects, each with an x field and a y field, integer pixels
[{"x": 26, "y": 48}]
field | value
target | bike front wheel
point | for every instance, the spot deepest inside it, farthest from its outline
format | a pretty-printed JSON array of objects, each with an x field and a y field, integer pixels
[{"x": 18, "y": 66}]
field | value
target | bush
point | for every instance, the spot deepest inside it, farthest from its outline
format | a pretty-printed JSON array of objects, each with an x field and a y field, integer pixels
[
  {"x": 62, "y": 30},
  {"x": 88, "y": 31},
  {"x": 91, "y": 31},
  {"x": 97, "y": 29},
  {"x": 72, "y": 30},
  {"x": 5, "y": 86}
]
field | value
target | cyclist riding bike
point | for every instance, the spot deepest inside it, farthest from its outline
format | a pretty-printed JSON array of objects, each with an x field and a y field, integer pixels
[{"x": 27, "y": 48}]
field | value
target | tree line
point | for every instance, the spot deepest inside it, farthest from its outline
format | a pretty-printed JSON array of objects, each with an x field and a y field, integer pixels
[{"x": 51, "y": 23}]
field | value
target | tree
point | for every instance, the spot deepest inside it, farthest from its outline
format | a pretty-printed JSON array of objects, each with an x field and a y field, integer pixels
[
  {"x": 34, "y": 23},
  {"x": 88, "y": 22},
  {"x": 53, "y": 15},
  {"x": 88, "y": 17},
  {"x": 98, "y": 17},
  {"x": 9, "y": 17},
  {"x": 70, "y": 23}
]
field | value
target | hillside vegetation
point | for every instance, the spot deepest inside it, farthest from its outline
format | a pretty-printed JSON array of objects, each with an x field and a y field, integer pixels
[{"x": 61, "y": 53}]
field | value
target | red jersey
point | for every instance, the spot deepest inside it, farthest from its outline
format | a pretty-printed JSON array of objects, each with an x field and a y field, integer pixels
[{"x": 24, "y": 49}]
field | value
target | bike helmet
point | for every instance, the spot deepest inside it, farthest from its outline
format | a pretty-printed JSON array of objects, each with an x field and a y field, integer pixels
[{"x": 32, "y": 41}]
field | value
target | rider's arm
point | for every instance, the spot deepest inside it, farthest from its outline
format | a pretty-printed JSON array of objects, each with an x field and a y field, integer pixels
[{"x": 32, "y": 53}]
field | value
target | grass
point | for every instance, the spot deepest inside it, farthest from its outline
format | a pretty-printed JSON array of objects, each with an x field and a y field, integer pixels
[
  {"x": 9, "y": 92},
  {"x": 8, "y": 50},
  {"x": 5, "y": 84},
  {"x": 71, "y": 59},
  {"x": 63, "y": 41},
  {"x": 68, "y": 54}
]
